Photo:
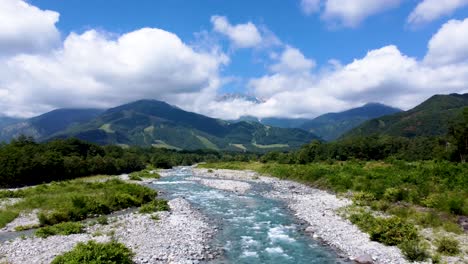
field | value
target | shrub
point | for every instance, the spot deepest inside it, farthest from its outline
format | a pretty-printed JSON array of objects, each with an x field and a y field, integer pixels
[
  {"x": 102, "y": 220},
  {"x": 134, "y": 177},
  {"x": 393, "y": 195},
  {"x": 389, "y": 231},
  {"x": 7, "y": 216},
  {"x": 67, "y": 228},
  {"x": 414, "y": 250},
  {"x": 154, "y": 206},
  {"x": 393, "y": 231},
  {"x": 96, "y": 253},
  {"x": 448, "y": 246},
  {"x": 363, "y": 198}
]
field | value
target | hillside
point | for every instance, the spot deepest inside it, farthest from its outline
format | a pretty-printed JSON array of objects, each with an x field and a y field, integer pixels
[
  {"x": 47, "y": 124},
  {"x": 430, "y": 118},
  {"x": 332, "y": 125},
  {"x": 158, "y": 124},
  {"x": 6, "y": 121}
]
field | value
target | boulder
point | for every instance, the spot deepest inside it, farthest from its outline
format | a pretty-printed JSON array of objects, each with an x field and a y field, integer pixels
[{"x": 364, "y": 259}]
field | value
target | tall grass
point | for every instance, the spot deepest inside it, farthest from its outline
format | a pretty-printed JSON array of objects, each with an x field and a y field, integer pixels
[
  {"x": 426, "y": 193},
  {"x": 75, "y": 200}
]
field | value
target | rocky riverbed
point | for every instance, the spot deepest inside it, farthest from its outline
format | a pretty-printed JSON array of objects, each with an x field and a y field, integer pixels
[
  {"x": 179, "y": 236},
  {"x": 320, "y": 210}
]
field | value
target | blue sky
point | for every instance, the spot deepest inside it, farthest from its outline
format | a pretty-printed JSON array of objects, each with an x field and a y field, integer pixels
[
  {"x": 301, "y": 57},
  {"x": 314, "y": 37}
]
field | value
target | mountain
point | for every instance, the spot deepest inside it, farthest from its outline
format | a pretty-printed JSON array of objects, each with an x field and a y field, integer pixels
[
  {"x": 275, "y": 121},
  {"x": 430, "y": 118},
  {"x": 156, "y": 123},
  {"x": 6, "y": 121},
  {"x": 47, "y": 124},
  {"x": 332, "y": 125}
]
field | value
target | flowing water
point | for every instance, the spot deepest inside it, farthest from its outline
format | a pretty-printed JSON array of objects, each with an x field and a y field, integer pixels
[{"x": 252, "y": 228}]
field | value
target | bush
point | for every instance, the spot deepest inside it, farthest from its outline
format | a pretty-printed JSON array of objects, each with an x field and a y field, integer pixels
[
  {"x": 393, "y": 231},
  {"x": 363, "y": 198},
  {"x": 65, "y": 229},
  {"x": 414, "y": 250},
  {"x": 448, "y": 246},
  {"x": 389, "y": 231},
  {"x": 6, "y": 217},
  {"x": 96, "y": 253},
  {"x": 134, "y": 177},
  {"x": 102, "y": 220},
  {"x": 154, "y": 206}
]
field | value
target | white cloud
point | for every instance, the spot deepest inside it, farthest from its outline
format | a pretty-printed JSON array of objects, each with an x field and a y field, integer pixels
[
  {"x": 26, "y": 28},
  {"x": 94, "y": 70},
  {"x": 383, "y": 75},
  {"x": 310, "y": 6},
  {"x": 293, "y": 61},
  {"x": 450, "y": 44},
  {"x": 351, "y": 13},
  {"x": 430, "y": 10},
  {"x": 242, "y": 35}
]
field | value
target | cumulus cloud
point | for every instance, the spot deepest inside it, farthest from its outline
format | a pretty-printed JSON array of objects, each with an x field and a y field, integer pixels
[
  {"x": 383, "y": 75},
  {"x": 26, "y": 28},
  {"x": 94, "y": 70},
  {"x": 242, "y": 35},
  {"x": 351, "y": 13},
  {"x": 449, "y": 45},
  {"x": 293, "y": 61},
  {"x": 430, "y": 10}
]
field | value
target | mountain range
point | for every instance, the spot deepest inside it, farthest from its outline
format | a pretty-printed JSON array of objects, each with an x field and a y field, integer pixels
[
  {"x": 158, "y": 124},
  {"x": 330, "y": 126},
  {"x": 47, "y": 124},
  {"x": 430, "y": 118}
]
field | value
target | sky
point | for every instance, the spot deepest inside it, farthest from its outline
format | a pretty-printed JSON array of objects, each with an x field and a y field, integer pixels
[{"x": 300, "y": 58}]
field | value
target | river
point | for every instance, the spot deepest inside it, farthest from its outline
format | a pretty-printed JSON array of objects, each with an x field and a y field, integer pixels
[{"x": 251, "y": 228}]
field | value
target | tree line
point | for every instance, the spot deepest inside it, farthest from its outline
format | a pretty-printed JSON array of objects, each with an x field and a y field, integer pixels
[
  {"x": 26, "y": 162},
  {"x": 452, "y": 147}
]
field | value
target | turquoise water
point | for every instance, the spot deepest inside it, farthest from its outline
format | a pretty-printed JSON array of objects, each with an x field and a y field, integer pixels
[{"x": 252, "y": 228}]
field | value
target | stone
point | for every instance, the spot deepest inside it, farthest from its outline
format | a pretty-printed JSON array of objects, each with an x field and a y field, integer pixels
[{"x": 364, "y": 259}]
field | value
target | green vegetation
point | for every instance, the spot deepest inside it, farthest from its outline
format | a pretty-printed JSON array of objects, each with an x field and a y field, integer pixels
[
  {"x": 431, "y": 118},
  {"x": 66, "y": 228},
  {"x": 144, "y": 174},
  {"x": 154, "y": 123},
  {"x": 415, "y": 250},
  {"x": 154, "y": 206},
  {"x": 96, "y": 253},
  {"x": 25, "y": 162},
  {"x": 76, "y": 200},
  {"x": 448, "y": 246},
  {"x": 332, "y": 125},
  {"x": 441, "y": 186},
  {"x": 392, "y": 231}
]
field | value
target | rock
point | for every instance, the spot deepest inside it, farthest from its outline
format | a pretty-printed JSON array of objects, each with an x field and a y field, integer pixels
[{"x": 364, "y": 259}]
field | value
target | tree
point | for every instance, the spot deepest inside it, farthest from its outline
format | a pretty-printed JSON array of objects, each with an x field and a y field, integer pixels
[{"x": 459, "y": 134}]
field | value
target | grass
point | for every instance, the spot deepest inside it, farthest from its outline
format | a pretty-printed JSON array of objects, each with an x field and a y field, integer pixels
[
  {"x": 67, "y": 228},
  {"x": 434, "y": 192},
  {"x": 144, "y": 174},
  {"x": 94, "y": 253},
  {"x": 75, "y": 200},
  {"x": 154, "y": 206},
  {"x": 271, "y": 146},
  {"x": 448, "y": 246}
]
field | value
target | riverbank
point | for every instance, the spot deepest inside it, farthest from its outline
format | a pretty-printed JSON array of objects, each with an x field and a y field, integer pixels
[
  {"x": 178, "y": 236},
  {"x": 319, "y": 209}
]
